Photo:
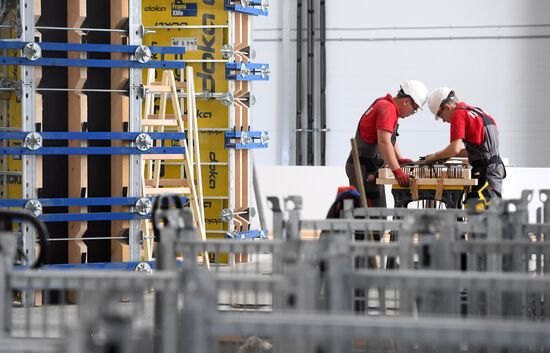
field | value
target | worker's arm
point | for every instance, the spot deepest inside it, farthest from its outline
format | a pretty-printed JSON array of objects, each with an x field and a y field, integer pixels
[
  {"x": 386, "y": 148},
  {"x": 453, "y": 149},
  {"x": 462, "y": 153}
]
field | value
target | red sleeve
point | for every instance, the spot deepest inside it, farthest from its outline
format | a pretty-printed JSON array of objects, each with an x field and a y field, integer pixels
[
  {"x": 386, "y": 117},
  {"x": 458, "y": 126}
]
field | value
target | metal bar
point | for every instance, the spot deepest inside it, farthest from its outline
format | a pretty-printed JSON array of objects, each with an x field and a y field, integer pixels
[
  {"x": 413, "y": 279},
  {"x": 87, "y": 280},
  {"x": 109, "y": 266},
  {"x": 92, "y": 63},
  {"x": 135, "y": 37},
  {"x": 89, "y": 201},
  {"x": 323, "y": 83},
  {"x": 88, "y": 48},
  {"x": 28, "y": 122},
  {"x": 87, "y": 238},
  {"x": 93, "y": 90},
  {"x": 96, "y": 216},
  {"x": 406, "y": 39},
  {"x": 90, "y": 151},
  {"x": 189, "y": 26},
  {"x": 310, "y": 79},
  {"x": 94, "y": 136},
  {"x": 411, "y": 329},
  {"x": 83, "y": 29}
]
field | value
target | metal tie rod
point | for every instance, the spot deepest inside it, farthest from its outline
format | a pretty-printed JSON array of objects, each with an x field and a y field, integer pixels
[
  {"x": 87, "y": 238},
  {"x": 183, "y": 27},
  {"x": 101, "y": 48},
  {"x": 107, "y": 90},
  {"x": 83, "y": 29}
]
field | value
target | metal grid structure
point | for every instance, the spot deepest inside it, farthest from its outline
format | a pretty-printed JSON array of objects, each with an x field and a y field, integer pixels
[{"x": 460, "y": 283}]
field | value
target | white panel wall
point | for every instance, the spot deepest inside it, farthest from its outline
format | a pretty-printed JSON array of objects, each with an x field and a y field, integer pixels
[{"x": 366, "y": 58}]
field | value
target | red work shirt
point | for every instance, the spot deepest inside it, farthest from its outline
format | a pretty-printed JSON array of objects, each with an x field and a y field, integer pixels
[
  {"x": 382, "y": 114},
  {"x": 467, "y": 125}
]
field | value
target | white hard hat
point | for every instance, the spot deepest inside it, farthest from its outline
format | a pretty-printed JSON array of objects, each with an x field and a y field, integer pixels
[
  {"x": 436, "y": 97},
  {"x": 416, "y": 90}
]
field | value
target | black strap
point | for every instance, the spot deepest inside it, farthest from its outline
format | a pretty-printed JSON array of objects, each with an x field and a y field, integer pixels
[
  {"x": 486, "y": 120},
  {"x": 484, "y": 163}
]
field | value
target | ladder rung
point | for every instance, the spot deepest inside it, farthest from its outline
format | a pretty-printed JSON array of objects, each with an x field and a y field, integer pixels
[
  {"x": 166, "y": 116},
  {"x": 167, "y": 182},
  {"x": 157, "y": 122},
  {"x": 165, "y": 157},
  {"x": 157, "y": 89},
  {"x": 179, "y": 85},
  {"x": 156, "y": 191}
]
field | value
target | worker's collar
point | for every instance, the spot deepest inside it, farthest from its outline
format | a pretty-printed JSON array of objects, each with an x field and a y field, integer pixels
[{"x": 389, "y": 98}]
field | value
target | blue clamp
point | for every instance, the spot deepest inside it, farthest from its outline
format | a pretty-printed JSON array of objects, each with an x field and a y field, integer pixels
[
  {"x": 240, "y": 71},
  {"x": 251, "y": 234},
  {"x": 142, "y": 208},
  {"x": 32, "y": 55},
  {"x": 143, "y": 143},
  {"x": 244, "y": 140},
  {"x": 249, "y": 7}
]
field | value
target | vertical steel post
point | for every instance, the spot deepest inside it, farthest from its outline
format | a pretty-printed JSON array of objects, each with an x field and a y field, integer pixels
[
  {"x": 323, "y": 84},
  {"x": 299, "y": 101},
  {"x": 28, "y": 106},
  {"x": 166, "y": 301},
  {"x": 310, "y": 80},
  {"x": 7, "y": 251},
  {"x": 135, "y": 38}
]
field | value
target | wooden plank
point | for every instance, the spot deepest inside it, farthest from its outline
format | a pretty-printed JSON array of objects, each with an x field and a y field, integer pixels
[
  {"x": 160, "y": 88},
  {"x": 120, "y": 110},
  {"x": 179, "y": 84},
  {"x": 414, "y": 189},
  {"x": 167, "y": 182},
  {"x": 78, "y": 115},
  {"x": 439, "y": 189},
  {"x": 78, "y": 175},
  {"x": 173, "y": 190},
  {"x": 358, "y": 173},
  {"x": 429, "y": 182},
  {"x": 37, "y": 10},
  {"x": 154, "y": 123},
  {"x": 162, "y": 157},
  {"x": 167, "y": 116}
]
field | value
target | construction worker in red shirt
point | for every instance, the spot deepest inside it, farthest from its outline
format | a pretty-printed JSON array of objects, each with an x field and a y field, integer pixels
[
  {"x": 477, "y": 131},
  {"x": 376, "y": 138}
]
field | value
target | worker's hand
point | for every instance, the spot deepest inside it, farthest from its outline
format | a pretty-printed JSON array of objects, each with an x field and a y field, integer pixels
[
  {"x": 402, "y": 161},
  {"x": 431, "y": 159},
  {"x": 402, "y": 178}
]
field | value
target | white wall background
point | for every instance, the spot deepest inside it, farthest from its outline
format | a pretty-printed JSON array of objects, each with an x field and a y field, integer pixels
[
  {"x": 506, "y": 76},
  {"x": 318, "y": 186}
]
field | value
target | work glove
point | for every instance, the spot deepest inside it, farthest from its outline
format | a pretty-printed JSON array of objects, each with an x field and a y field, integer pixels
[
  {"x": 402, "y": 178},
  {"x": 431, "y": 159},
  {"x": 402, "y": 161}
]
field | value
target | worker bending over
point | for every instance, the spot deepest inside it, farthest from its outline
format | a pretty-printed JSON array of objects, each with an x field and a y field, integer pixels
[
  {"x": 376, "y": 138},
  {"x": 478, "y": 131}
]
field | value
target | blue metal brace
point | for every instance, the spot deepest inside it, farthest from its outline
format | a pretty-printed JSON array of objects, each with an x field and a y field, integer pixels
[
  {"x": 251, "y": 234},
  {"x": 240, "y": 71},
  {"x": 250, "y": 7},
  {"x": 246, "y": 139},
  {"x": 32, "y": 55},
  {"x": 137, "y": 266},
  {"x": 142, "y": 208},
  {"x": 89, "y": 151},
  {"x": 143, "y": 143}
]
